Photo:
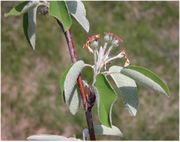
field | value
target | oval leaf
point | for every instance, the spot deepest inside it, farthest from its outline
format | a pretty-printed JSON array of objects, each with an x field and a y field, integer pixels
[
  {"x": 46, "y": 137},
  {"x": 127, "y": 89},
  {"x": 70, "y": 80},
  {"x": 147, "y": 78},
  {"x": 59, "y": 10},
  {"x": 78, "y": 11},
  {"x": 22, "y": 8},
  {"x": 74, "y": 102},
  {"x": 29, "y": 26},
  {"x": 103, "y": 130},
  {"x": 106, "y": 97}
]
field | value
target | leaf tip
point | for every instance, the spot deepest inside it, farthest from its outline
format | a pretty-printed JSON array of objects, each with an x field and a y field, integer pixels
[
  {"x": 132, "y": 110},
  {"x": 32, "y": 44},
  {"x": 168, "y": 94},
  {"x": 33, "y": 48},
  {"x": 87, "y": 28}
]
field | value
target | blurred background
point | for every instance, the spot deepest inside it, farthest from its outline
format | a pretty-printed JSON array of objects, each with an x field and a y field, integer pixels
[{"x": 31, "y": 102}]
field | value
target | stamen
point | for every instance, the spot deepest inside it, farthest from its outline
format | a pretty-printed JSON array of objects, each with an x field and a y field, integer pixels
[
  {"x": 127, "y": 61},
  {"x": 90, "y": 49},
  {"x": 118, "y": 38}
]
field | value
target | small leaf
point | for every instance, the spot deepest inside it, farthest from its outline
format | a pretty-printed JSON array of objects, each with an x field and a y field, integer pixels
[
  {"x": 106, "y": 97},
  {"x": 59, "y": 10},
  {"x": 22, "y": 8},
  {"x": 70, "y": 80},
  {"x": 127, "y": 88},
  {"x": 46, "y": 137},
  {"x": 146, "y": 78},
  {"x": 29, "y": 26},
  {"x": 103, "y": 130},
  {"x": 78, "y": 11}
]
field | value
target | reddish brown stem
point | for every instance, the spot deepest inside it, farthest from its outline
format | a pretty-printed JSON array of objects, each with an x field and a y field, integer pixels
[
  {"x": 73, "y": 56},
  {"x": 83, "y": 93}
]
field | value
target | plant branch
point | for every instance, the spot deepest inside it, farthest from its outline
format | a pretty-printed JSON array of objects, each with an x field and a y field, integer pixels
[{"x": 73, "y": 56}]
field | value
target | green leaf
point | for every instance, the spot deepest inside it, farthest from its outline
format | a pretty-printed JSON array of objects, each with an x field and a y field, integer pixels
[
  {"x": 46, "y": 137},
  {"x": 75, "y": 100},
  {"x": 106, "y": 97},
  {"x": 103, "y": 130},
  {"x": 127, "y": 89},
  {"x": 63, "y": 77},
  {"x": 78, "y": 11},
  {"x": 146, "y": 78},
  {"x": 29, "y": 26},
  {"x": 22, "y": 8},
  {"x": 71, "y": 77},
  {"x": 28, "y": 9},
  {"x": 59, "y": 10}
]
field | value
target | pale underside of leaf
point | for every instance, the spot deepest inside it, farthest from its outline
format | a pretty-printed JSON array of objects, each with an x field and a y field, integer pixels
[
  {"x": 46, "y": 137},
  {"x": 127, "y": 89},
  {"x": 31, "y": 5},
  {"x": 147, "y": 78},
  {"x": 78, "y": 11},
  {"x": 29, "y": 25},
  {"x": 103, "y": 130},
  {"x": 75, "y": 101},
  {"x": 105, "y": 97},
  {"x": 71, "y": 78}
]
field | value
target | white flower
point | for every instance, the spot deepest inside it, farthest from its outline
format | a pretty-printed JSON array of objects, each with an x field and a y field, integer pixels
[{"x": 102, "y": 53}]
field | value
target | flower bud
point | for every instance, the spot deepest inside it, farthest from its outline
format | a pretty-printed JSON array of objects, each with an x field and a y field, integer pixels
[
  {"x": 43, "y": 10},
  {"x": 115, "y": 43},
  {"x": 110, "y": 38},
  {"x": 94, "y": 44},
  {"x": 106, "y": 38}
]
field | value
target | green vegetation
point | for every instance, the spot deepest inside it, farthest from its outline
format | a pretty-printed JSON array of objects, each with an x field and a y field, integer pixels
[{"x": 31, "y": 101}]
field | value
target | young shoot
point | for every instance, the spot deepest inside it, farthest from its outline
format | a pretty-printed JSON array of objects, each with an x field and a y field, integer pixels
[{"x": 76, "y": 90}]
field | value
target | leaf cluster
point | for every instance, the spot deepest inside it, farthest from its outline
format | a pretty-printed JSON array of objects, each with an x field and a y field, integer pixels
[{"x": 125, "y": 79}]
